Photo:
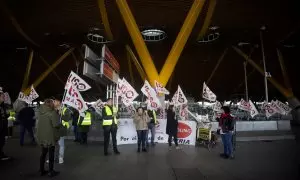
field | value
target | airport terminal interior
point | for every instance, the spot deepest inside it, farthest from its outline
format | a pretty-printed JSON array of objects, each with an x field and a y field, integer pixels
[{"x": 149, "y": 89}]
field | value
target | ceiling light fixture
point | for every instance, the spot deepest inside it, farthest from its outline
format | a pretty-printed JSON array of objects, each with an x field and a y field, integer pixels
[
  {"x": 95, "y": 36},
  {"x": 153, "y": 35},
  {"x": 210, "y": 37}
]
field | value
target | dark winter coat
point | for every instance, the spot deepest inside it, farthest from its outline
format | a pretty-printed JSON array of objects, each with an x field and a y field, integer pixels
[
  {"x": 67, "y": 116},
  {"x": 172, "y": 123},
  {"x": 26, "y": 117},
  {"x": 226, "y": 123},
  {"x": 48, "y": 126},
  {"x": 3, "y": 119}
]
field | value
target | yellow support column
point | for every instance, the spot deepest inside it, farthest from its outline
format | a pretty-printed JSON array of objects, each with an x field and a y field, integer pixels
[
  {"x": 217, "y": 65},
  {"x": 207, "y": 20},
  {"x": 287, "y": 93},
  {"x": 54, "y": 72},
  {"x": 50, "y": 69},
  {"x": 138, "y": 41},
  {"x": 283, "y": 70},
  {"x": 180, "y": 41},
  {"x": 136, "y": 63},
  {"x": 15, "y": 23},
  {"x": 130, "y": 69},
  {"x": 104, "y": 18},
  {"x": 27, "y": 72}
]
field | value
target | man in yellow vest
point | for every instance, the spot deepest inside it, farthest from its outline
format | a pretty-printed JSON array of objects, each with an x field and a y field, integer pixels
[
  {"x": 66, "y": 118},
  {"x": 151, "y": 127},
  {"x": 11, "y": 119},
  {"x": 84, "y": 124},
  {"x": 110, "y": 125}
]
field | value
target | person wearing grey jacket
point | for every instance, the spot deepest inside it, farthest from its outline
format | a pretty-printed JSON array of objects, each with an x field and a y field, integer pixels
[{"x": 141, "y": 120}]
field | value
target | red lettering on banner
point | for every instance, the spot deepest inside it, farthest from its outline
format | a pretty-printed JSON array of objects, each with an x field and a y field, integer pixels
[{"x": 184, "y": 130}]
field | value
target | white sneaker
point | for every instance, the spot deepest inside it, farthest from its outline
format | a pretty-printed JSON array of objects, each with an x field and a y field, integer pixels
[
  {"x": 60, "y": 161},
  {"x": 177, "y": 147}
]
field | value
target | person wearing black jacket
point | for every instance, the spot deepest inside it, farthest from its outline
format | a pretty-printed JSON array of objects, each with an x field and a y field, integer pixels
[
  {"x": 75, "y": 125},
  {"x": 226, "y": 127},
  {"x": 172, "y": 126},
  {"x": 110, "y": 125},
  {"x": 3, "y": 127},
  {"x": 27, "y": 122}
]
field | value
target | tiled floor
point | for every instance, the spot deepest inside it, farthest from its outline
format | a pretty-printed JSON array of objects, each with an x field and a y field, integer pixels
[{"x": 254, "y": 160}]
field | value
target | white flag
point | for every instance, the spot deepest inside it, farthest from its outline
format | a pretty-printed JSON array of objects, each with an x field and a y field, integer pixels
[
  {"x": 217, "y": 106},
  {"x": 23, "y": 97},
  {"x": 77, "y": 81},
  {"x": 153, "y": 101},
  {"x": 128, "y": 93},
  {"x": 208, "y": 94},
  {"x": 33, "y": 94},
  {"x": 120, "y": 87},
  {"x": 244, "y": 105},
  {"x": 160, "y": 89},
  {"x": 98, "y": 105},
  {"x": 268, "y": 109},
  {"x": 183, "y": 112},
  {"x": 253, "y": 111},
  {"x": 7, "y": 99},
  {"x": 285, "y": 109},
  {"x": 174, "y": 98},
  {"x": 131, "y": 109},
  {"x": 181, "y": 99},
  {"x": 274, "y": 106},
  {"x": 74, "y": 99}
]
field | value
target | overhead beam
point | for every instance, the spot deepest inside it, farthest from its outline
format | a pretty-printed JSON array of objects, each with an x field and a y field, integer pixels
[
  {"x": 217, "y": 65},
  {"x": 16, "y": 24},
  {"x": 50, "y": 69},
  {"x": 180, "y": 41},
  {"x": 287, "y": 93},
  {"x": 27, "y": 72},
  {"x": 138, "y": 41},
  {"x": 207, "y": 20},
  {"x": 130, "y": 69},
  {"x": 105, "y": 21},
  {"x": 283, "y": 70},
  {"x": 136, "y": 63},
  {"x": 54, "y": 72}
]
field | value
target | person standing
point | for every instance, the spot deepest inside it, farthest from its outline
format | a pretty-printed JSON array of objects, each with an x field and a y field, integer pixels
[
  {"x": 48, "y": 134},
  {"x": 3, "y": 127},
  {"x": 151, "y": 127},
  {"x": 27, "y": 122},
  {"x": 66, "y": 117},
  {"x": 110, "y": 125},
  {"x": 141, "y": 120},
  {"x": 84, "y": 124},
  {"x": 11, "y": 120},
  {"x": 226, "y": 127},
  {"x": 75, "y": 125},
  {"x": 172, "y": 126}
]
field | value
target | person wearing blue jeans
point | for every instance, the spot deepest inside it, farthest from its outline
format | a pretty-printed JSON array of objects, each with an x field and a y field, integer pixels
[{"x": 226, "y": 127}]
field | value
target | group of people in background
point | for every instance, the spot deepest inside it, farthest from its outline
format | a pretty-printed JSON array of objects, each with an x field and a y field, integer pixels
[{"x": 55, "y": 120}]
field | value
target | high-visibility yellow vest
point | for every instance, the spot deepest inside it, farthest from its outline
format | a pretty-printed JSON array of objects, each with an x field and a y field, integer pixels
[
  {"x": 87, "y": 121},
  {"x": 108, "y": 122},
  {"x": 12, "y": 115},
  {"x": 154, "y": 116},
  {"x": 65, "y": 122}
]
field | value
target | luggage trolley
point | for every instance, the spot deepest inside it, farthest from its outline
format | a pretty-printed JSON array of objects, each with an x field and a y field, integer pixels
[{"x": 205, "y": 136}]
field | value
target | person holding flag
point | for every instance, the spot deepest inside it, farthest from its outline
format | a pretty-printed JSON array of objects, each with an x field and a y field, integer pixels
[
  {"x": 66, "y": 117},
  {"x": 84, "y": 124},
  {"x": 110, "y": 125},
  {"x": 151, "y": 127}
]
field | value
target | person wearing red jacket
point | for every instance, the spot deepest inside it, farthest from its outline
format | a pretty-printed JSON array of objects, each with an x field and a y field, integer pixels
[{"x": 226, "y": 127}]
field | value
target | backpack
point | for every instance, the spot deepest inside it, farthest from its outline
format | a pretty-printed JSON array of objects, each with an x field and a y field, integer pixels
[{"x": 228, "y": 124}]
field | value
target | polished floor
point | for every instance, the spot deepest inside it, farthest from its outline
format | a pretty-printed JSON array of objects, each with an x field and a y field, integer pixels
[{"x": 254, "y": 160}]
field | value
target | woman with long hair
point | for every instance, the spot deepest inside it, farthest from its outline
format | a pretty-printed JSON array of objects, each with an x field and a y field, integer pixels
[{"x": 141, "y": 120}]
